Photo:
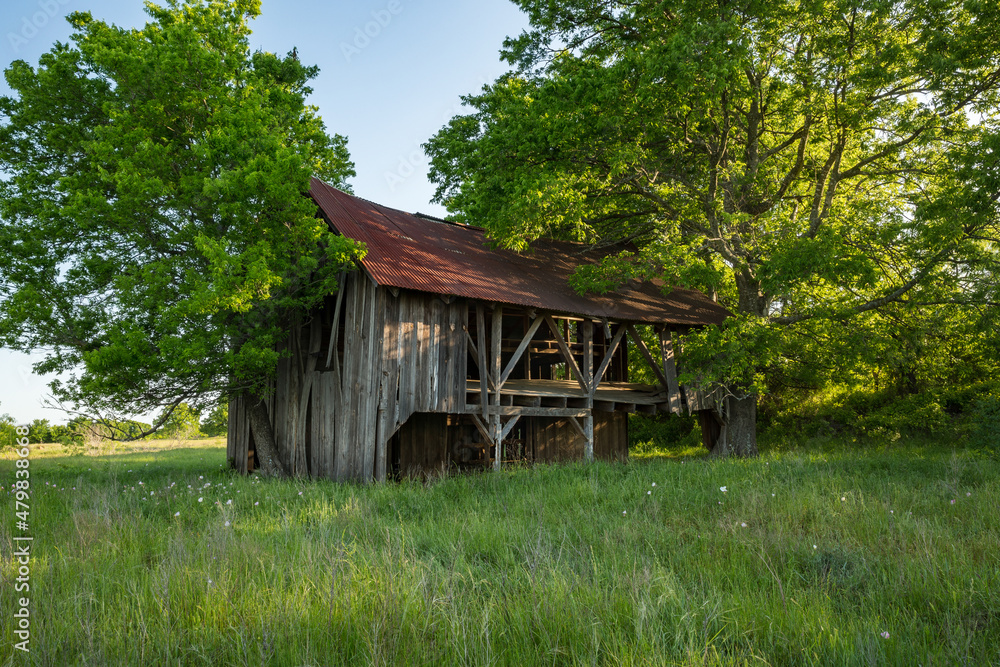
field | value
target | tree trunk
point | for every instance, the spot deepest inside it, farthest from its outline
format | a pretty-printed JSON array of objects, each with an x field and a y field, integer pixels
[
  {"x": 738, "y": 436},
  {"x": 739, "y": 427},
  {"x": 263, "y": 438}
]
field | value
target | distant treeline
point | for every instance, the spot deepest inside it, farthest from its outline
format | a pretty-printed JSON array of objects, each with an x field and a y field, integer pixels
[{"x": 184, "y": 423}]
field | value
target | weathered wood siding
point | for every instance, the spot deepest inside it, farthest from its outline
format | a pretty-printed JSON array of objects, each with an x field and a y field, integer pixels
[
  {"x": 611, "y": 436},
  {"x": 398, "y": 368},
  {"x": 396, "y": 355},
  {"x": 423, "y": 363},
  {"x": 237, "y": 436},
  {"x": 551, "y": 440}
]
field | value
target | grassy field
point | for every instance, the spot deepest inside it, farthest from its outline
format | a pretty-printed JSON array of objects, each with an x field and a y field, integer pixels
[{"x": 826, "y": 555}]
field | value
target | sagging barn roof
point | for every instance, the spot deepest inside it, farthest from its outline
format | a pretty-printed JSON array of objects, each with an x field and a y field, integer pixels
[{"x": 415, "y": 253}]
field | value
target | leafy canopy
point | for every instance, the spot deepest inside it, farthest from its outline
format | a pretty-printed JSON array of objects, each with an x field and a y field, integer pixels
[
  {"x": 801, "y": 160},
  {"x": 154, "y": 225}
]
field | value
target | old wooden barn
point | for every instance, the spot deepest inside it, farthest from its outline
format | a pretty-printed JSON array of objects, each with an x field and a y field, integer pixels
[{"x": 439, "y": 351}]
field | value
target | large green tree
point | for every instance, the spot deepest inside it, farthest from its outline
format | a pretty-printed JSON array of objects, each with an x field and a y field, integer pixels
[
  {"x": 806, "y": 161},
  {"x": 155, "y": 235}
]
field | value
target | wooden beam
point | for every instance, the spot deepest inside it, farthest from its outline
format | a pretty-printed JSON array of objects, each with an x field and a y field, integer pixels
[
  {"x": 567, "y": 355},
  {"x": 472, "y": 346},
  {"x": 477, "y": 420},
  {"x": 510, "y": 410},
  {"x": 484, "y": 373},
  {"x": 599, "y": 373},
  {"x": 579, "y": 429},
  {"x": 496, "y": 339},
  {"x": 336, "y": 317},
  {"x": 670, "y": 370},
  {"x": 607, "y": 327},
  {"x": 519, "y": 351},
  {"x": 496, "y": 336},
  {"x": 299, "y": 464},
  {"x": 509, "y": 426},
  {"x": 587, "y": 338},
  {"x": 641, "y": 345}
]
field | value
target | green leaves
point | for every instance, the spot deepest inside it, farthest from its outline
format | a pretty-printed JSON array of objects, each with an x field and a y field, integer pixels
[
  {"x": 803, "y": 160},
  {"x": 155, "y": 215}
]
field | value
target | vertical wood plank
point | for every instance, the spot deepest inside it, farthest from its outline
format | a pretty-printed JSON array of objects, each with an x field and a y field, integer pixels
[
  {"x": 496, "y": 336},
  {"x": 484, "y": 369},
  {"x": 670, "y": 370},
  {"x": 231, "y": 443},
  {"x": 345, "y": 421},
  {"x": 373, "y": 376},
  {"x": 365, "y": 461},
  {"x": 389, "y": 383},
  {"x": 334, "y": 414},
  {"x": 461, "y": 354},
  {"x": 587, "y": 336}
]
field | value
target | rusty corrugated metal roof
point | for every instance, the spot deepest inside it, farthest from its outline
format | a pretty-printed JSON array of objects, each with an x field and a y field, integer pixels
[{"x": 415, "y": 253}]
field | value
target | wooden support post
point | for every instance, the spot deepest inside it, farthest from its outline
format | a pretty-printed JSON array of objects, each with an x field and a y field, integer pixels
[
  {"x": 484, "y": 370},
  {"x": 528, "y": 317},
  {"x": 496, "y": 335},
  {"x": 587, "y": 337},
  {"x": 670, "y": 371}
]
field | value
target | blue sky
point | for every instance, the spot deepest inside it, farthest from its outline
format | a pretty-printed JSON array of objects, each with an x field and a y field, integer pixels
[{"x": 391, "y": 74}]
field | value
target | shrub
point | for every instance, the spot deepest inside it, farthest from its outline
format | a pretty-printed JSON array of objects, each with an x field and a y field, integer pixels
[
  {"x": 650, "y": 432},
  {"x": 986, "y": 423}
]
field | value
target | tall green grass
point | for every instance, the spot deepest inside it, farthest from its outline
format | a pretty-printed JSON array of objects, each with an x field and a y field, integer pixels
[{"x": 807, "y": 558}]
